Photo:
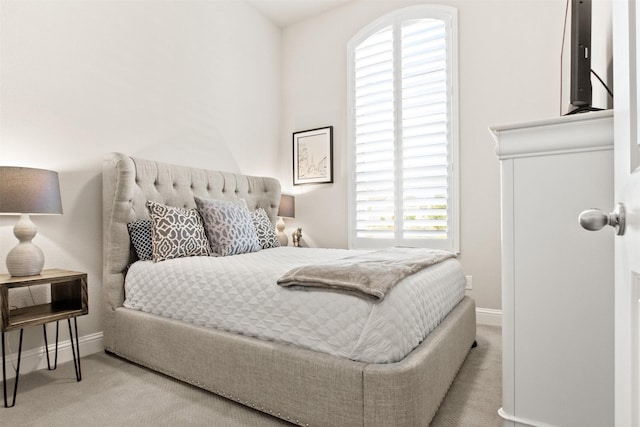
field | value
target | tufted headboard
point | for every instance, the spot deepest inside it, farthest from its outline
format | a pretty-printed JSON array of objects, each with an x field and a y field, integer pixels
[{"x": 127, "y": 184}]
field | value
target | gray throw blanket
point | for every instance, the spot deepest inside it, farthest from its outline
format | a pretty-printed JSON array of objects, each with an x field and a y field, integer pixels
[{"x": 369, "y": 275}]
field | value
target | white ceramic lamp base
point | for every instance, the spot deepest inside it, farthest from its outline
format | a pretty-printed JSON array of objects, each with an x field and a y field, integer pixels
[
  {"x": 26, "y": 259},
  {"x": 282, "y": 238}
]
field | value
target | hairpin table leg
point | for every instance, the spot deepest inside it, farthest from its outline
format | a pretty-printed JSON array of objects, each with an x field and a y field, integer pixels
[
  {"x": 75, "y": 350},
  {"x": 46, "y": 348},
  {"x": 4, "y": 373}
]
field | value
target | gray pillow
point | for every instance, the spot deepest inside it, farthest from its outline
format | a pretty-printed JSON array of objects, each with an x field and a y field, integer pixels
[
  {"x": 264, "y": 229},
  {"x": 228, "y": 226},
  {"x": 176, "y": 232}
]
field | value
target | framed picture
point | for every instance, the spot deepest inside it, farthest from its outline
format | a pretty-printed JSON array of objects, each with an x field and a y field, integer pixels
[{"x": 313, "y": 156}]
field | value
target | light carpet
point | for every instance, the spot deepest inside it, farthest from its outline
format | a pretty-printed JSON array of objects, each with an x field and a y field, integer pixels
[{"x": 114, "y": 392}]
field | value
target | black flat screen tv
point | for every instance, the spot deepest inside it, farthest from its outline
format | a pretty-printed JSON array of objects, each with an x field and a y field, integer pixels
[{"x": 581, "y": 89}]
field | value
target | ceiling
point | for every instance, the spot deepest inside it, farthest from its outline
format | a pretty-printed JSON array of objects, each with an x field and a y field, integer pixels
[{"x": 287, "y": 12}]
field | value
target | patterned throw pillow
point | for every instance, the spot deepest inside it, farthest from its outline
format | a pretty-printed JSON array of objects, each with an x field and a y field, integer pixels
[
  {"x": 228, "y": 226},
  {"x": 176, "y": 232},
  {"x": 265, "y": 230},
  {"x": 140, "y": 236}
]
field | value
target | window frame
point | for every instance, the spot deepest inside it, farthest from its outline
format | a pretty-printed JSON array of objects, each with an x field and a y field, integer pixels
[{"x": 449, "y": 15}]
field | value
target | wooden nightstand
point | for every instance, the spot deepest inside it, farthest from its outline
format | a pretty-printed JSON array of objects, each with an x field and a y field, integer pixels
[{"x": 68, "y": 290}]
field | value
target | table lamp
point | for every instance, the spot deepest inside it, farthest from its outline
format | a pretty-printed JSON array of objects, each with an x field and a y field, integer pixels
[
  {"x": 27, "y": 191},
  {"x": 287, "y": 209}
]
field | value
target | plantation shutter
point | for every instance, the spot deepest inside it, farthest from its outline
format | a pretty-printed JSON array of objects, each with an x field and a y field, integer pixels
[
  {"x": 375, "y": 135},
  {"x": 401, "y": 119},
  {"x": 424, "y": 129}
]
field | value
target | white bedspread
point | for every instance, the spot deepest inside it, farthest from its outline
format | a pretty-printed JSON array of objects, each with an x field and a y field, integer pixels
[{"x": 239, "y": 294}]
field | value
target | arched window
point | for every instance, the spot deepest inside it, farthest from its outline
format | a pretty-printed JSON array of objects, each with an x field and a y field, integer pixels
[{"x": 403, "y": 130}]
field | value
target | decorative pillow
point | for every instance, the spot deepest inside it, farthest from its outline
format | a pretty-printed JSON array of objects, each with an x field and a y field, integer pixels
[
  {"x": 140, "y": 236},
  {"x": 264, "y": 229},
  {"x": 228, "y": 226},
  {"x": 176, "y": 232}
]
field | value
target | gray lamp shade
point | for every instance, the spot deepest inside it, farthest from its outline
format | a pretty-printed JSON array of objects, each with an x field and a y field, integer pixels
[
  {"x": 29, "y": 191},
  {"x": 287, "y": 206}
]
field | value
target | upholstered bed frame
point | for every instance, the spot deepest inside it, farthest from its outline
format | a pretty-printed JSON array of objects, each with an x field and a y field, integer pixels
[{"x": 297, "y": 385}]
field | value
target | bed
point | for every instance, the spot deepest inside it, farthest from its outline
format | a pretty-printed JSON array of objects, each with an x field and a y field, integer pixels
[{"x": 301, "y": 385}]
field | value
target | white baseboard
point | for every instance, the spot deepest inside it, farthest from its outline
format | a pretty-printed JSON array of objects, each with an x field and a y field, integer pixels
[
  {"x": 512, "y": 420},
  {"x": 35, "y": 359},
  {"x": 489, "y": 316}
]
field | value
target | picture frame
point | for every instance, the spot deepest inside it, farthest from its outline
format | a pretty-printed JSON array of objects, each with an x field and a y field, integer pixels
[{"x": 313, "y": 156}]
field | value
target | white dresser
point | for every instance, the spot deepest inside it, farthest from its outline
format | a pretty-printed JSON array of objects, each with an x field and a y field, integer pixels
[{"x": 557, "y": 278}]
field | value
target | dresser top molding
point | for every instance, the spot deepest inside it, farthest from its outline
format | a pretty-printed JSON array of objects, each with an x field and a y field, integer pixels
[{"x": 582, "y": 132}]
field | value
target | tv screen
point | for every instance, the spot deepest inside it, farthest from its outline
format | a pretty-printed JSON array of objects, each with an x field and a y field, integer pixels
[{"x": 581, "y": 91}]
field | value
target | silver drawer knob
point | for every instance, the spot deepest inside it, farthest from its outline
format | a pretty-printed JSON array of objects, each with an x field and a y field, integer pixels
[{"x": 595, "y": 219}]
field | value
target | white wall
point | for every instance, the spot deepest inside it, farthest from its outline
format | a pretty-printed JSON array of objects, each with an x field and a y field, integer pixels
[
  {"x": 195, "y": 83},
  {"x": 509, "y": 72}
]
